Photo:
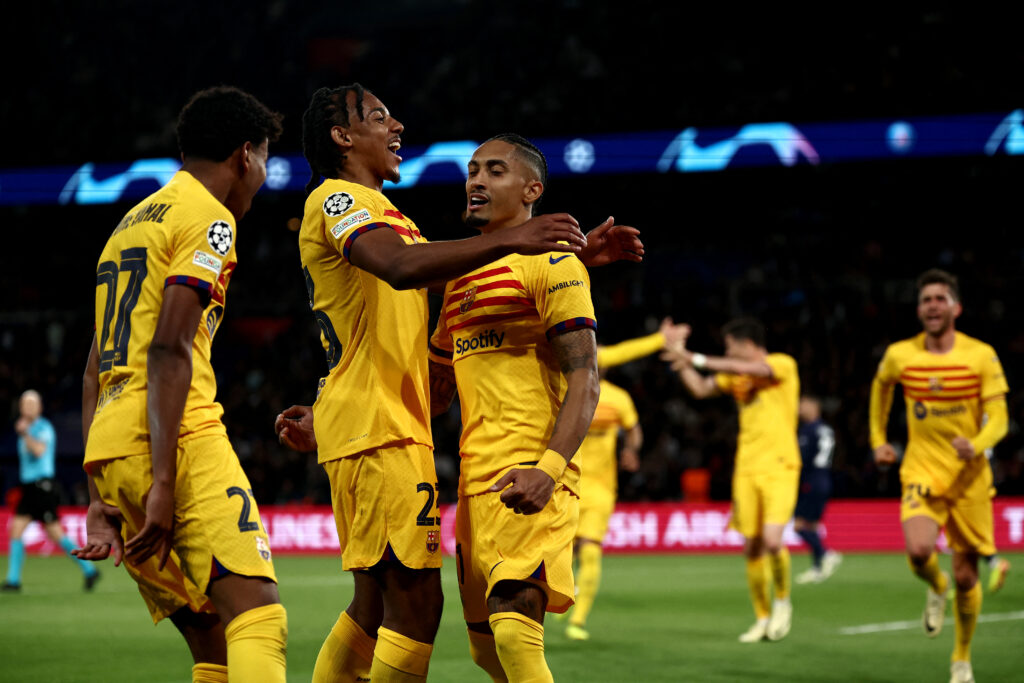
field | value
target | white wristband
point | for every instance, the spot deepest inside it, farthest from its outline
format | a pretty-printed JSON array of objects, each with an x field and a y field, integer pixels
[{"x": 698, "y": 360}]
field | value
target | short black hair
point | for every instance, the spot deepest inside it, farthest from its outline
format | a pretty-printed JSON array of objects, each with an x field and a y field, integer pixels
[
  {"x": 530, "y": 155},
  {"x": 745, "y": 329},
  {"x": 217, "y": 121},
  {"x": 938, "y": 276},
  {"x": 328, "y": 108}
]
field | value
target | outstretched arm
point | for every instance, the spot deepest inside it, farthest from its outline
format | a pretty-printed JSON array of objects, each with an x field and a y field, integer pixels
[
  {"x": 385, "y": 254},
  {"x": 529, "y": 490},
  {"x": 608, "y": 243}
]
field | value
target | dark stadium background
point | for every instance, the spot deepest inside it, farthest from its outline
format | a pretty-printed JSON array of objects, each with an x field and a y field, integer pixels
[{"x": 826, "y": 256}]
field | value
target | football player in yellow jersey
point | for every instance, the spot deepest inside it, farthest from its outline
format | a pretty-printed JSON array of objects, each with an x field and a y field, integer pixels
[
  {"x": 156, "y": 450},
  {"x": 766, "y": 388},
  {"x": 366, "y": 267},
  {"x": 598, "y": 486},
  {"x": 517, "y": 338},
  {"x": 955, "y": 393}
]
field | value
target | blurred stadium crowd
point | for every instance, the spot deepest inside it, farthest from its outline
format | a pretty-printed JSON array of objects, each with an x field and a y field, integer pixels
[{"x": 825, "y": 256}]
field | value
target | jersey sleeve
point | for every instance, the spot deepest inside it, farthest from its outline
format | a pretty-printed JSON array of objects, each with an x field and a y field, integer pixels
[
  {"x": 628, "y": 417},
  {"x": 993, "y": 380},
  {"x": 440, "y": 348},
  {"x": 888, "y": 369},
  {"x": 44, "y": 433},
  {"x": 348, "y": 216},
  {"x": 561, "y": 291},
  {"x": 723, "y": 381},
  {"x": 200, "y": 247},
  {"x": 783, "y": 367}
]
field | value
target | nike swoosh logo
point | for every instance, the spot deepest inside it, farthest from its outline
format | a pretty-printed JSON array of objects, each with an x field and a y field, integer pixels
[
  {"x": 554, "y": 260},
  {"x": 495, "y": 567}
]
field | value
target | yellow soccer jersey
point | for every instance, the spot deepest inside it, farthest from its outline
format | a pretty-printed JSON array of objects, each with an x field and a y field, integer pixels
[
  {"x": 377, "y": 391},
  {"x": 180, "y": 235},
  {"x": 944, "y": 395},
  {"x": 768, "y": 416},
  {"x": 495, "y": 328},
  {"x": 615, "y": 411}
]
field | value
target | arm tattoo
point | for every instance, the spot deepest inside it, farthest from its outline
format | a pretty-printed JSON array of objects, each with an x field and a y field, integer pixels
[{"x": 576, "y": 350}]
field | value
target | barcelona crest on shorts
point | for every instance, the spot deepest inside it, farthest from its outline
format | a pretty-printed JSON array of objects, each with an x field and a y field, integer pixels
[{"x": 433, "y": 541}]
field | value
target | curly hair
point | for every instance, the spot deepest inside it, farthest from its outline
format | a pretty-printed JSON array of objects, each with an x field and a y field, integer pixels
[
  {"x": 529, "y": 154},
  {"x": 217, "y": 121},
  {"x": 328, "y": 108}
]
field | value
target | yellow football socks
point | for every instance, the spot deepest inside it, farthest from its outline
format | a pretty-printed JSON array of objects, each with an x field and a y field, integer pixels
[
  {"x": 483, "y": 652},
  {"x": 257, "y": 643},
  {"x": 346, "y": 654},
  {"x": 931, "y": 574},
  {"x": 520, "y": 644},
  {"x": 780, "y": 573},
  {"x": 587, "y": 580},
  {"x": 757, "y": 580},
  {"x": 968, "y": 607},
  {"x": 398, "y": 658},
  {"x": 209, "y": 673}
]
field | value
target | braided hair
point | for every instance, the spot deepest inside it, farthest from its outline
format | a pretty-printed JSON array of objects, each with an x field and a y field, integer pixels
[
  {"x": 530, "y": 155},
  {"x": 328, "y": 108}
]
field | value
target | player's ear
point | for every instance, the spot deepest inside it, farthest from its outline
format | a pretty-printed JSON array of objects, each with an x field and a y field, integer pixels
[
  {"x": 532, "y": 191},
  {"x": 341, "y": 137}
]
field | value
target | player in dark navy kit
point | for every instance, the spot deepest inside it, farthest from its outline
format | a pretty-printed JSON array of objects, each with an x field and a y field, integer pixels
[{"x": 817, "y": 441}]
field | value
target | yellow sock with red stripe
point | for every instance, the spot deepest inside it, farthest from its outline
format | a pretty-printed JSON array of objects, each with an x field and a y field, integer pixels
[
  {"x": 757, "y": 581},
  {"x": 519, "y": 641},
  {"x": 346, "y": 654},
  {"x": 257, "y": 643},
  {"x": 209, "y": 673},
  {"x": 484, "y": 653},
  {"x": 931, "y": 574},
  {"x": 968, "y": 607},
  {"x": 780, "y": 565},
  {"x": 399, "y": 659},
  {"x": 588, "y": 580}
]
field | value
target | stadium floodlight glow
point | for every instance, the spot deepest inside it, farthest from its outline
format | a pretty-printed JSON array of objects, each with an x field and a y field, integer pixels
[{"x": 690, "y": 150}]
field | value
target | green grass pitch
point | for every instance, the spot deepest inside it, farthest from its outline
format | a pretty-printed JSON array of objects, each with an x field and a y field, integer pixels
[{"x": 657, "y": 618}]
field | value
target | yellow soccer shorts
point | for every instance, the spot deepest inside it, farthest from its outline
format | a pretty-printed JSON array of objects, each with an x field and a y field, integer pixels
[
  {"x": 385, "y": 507},
  {"x": 763, "y": 498},
  {"x": 965, "y": 512},
  {"x": 494, "y": 544},
  {"x": 217, "y": 526},
  {"x": 596, "y": 507}
]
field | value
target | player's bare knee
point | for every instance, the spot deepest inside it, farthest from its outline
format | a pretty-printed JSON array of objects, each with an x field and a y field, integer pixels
[
  {"x": 753, "y": 547},
  {"x": 518, "y": 596},
  {"x": 773, "y": 546},
  {"x": 204, "y": 635},
  {"x": 919, "y": 553},
  {"x": 233, "y": 594}
]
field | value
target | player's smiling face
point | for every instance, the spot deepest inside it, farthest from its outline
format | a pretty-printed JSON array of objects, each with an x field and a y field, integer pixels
[
  {"x": 499, "y": 187},
  {"x": 375, "y": 139},
  {"x": 937, "y": 309}
]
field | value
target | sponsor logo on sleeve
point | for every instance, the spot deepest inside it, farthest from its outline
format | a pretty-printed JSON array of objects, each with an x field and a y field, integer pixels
[
  {"x": 219, "y": 236},
  {"x": 566, "y": 284},
  {"x": 338, "y": 203},
  {"x": 208, "y": 261},
  {"x": 358, "y": 218}
]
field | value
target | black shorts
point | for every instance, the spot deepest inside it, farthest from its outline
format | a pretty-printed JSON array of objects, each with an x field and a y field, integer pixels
[
  {"x": 815, "y": 488},
  {"x": 39, "y": 501}
]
